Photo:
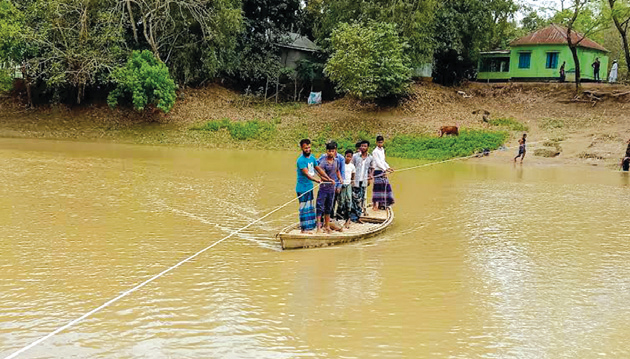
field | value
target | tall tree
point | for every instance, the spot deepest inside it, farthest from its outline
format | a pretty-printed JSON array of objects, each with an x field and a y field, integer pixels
[
  {"x": 574, "y": 38},
  {"x": 620, "y": 15},
  {"x": 195, "y": 38},
  {"x": 11, "y": 45},
  {"x": 414, "y": 20},
  {"x": 464, "y": 29},
  {"x": 71, "y": 43},
  {"x": 369, "y": 61},
  {"x": 266, "y": 24}
]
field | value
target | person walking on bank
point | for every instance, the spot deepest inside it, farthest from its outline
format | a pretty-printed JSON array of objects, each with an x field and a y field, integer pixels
[
  {"x": 612, "y": 78},
  {"x": 595, "y": 65},
  {"x": 562, "y": 73},
  {"x": 382, "y": 196},
  {"x": 306, "y": 167},
  {"x": 364, "y": 167},
  {"x": 521, "y": 148},
  {"x": 625, "y": 161}
]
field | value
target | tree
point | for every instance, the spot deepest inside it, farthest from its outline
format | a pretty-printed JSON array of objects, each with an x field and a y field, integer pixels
[
  {"x": 11, "y": 46},
  {"x": 620, "y": 15},
  {"x": 414, "y": 19},
  {"x": 196, "y": 38},
  {"x": 464, "y": 28},
  {"x": 579, "y": 7},
  {"x": 532, "y": 22},
  {"x": 70, "y": 43},
  {"x": 266, "y": 24},
  {"x": 146, "y": 79},
  {"x": 369, "y": 62}
]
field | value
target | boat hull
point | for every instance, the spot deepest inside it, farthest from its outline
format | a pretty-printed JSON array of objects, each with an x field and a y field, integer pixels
[{"x": 291, "y": 238}]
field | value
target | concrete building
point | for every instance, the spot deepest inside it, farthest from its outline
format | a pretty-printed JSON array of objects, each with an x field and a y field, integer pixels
[{"x": 539, "y": 55}]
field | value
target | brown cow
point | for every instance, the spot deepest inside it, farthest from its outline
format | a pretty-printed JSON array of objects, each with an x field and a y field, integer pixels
[{"x": 449, "y": 130}]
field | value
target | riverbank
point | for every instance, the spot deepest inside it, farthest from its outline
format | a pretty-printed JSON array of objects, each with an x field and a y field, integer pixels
[{"x": 585, "y": 131}]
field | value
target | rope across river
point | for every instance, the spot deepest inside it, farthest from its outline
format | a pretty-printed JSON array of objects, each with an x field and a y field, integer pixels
[{"x": 162, "y": 273}]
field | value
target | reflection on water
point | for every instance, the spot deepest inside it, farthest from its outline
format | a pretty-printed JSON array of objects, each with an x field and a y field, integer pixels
[{"x": 489, "y": 261}]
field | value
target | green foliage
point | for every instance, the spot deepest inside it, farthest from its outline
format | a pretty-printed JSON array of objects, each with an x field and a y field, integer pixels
[
  {"x": 241, "y": 130},
  {"x": 6, "y": 80},
  {"x": 369, "y": 62},
  {"x": 437, "y": 149},
  {"x": 509, "y": 123},
  {"x": 11, "y": 41},
  {"x": 266, "y": 24},
  {"x": 415, "y": 20},
  {"x": 532, "y": 22},
  {"x": 71, "y": 43},
  {"x": 147, "y": 80},
  {"x": 197, "y": 39},
  {"x": 464, "y": 28}
]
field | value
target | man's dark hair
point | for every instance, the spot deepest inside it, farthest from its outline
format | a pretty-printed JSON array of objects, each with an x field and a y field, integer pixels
[
  {"x": 379, "y": 138},
  {"x": 364, "y": 141},
  {"x": 332, "y": 145},
  {"x": 349, "y": 151},
  {"x": 357, "y": 145},
  {"x": 305, "y": 141}
]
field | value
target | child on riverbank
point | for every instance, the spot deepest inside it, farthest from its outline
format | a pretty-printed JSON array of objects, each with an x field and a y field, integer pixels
[{"x": 521, "y": 148}]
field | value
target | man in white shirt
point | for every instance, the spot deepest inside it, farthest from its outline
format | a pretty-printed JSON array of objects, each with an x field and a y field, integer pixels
[
  {"x": 382, "y": 196},
  {"x": 364, "y": 166},
  {"x": 344, "y": 199}
]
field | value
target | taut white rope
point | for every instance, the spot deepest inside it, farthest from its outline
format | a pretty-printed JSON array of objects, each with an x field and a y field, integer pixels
[{"x": 129, "y": 291}]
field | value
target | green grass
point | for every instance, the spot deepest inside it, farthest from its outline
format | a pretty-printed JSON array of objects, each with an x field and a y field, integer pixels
[
  {"x": 438, "y": 149},
  {"x": 241, "y": 130},
  {"x": 425, "y": 147},
  {"x": 509, "y": 123}
]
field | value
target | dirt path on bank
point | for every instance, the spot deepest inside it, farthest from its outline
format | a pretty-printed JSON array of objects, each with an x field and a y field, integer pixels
[{"x": 584, "y": 132}]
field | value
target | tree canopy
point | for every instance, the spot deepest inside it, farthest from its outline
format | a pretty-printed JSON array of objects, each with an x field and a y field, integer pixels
[
  {"x": 67, "y": 47},
  {"x": 369, "y": 61}
]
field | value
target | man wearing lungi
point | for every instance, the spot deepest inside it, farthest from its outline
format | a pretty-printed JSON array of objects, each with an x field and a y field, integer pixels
[
  {"x": 382, "y": 196},
  {"x": 306, "y": 167},
  {"x": 326, "y": 194}
]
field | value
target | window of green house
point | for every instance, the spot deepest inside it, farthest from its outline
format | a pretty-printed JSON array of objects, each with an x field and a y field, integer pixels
[
  {"x": 552, "y": 60},
  {"x": 524, "y": 60},
  {"x": 495, "y": 64}
]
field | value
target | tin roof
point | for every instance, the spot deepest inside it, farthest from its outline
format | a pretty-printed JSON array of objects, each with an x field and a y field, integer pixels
[
  {"x": 556, "y": 34},
  {"x": 299, "y": 42}
]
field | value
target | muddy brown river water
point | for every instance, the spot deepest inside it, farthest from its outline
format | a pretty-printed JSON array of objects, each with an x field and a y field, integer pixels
[{"x": 484, "y": 260}]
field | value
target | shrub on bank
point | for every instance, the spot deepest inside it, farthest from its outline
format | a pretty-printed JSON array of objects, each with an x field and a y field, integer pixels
[{"x": 438, "y": 149}]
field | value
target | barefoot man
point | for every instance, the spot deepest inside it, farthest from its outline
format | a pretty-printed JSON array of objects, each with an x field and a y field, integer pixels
[
  {"x": 326, "y": 194},
  {"x": 306, "y": 167},
  {"x": 382, "y": 196},
  {"x": 364, "y": 166}
]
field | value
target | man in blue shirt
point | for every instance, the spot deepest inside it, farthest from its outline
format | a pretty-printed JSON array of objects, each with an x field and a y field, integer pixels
[{"x": 307, "y": 165}]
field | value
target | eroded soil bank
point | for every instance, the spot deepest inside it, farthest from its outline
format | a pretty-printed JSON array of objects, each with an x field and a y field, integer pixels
[{"x": 591, "y": 129}]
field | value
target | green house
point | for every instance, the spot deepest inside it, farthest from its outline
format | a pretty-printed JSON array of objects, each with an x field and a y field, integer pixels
[{"x": 539, "y": 55}]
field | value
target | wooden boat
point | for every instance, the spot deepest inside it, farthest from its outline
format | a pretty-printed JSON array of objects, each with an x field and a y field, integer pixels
[{"x": 375, "y": 222}]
